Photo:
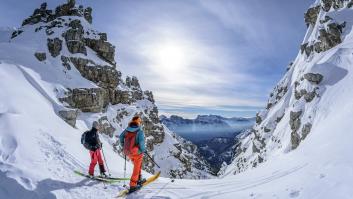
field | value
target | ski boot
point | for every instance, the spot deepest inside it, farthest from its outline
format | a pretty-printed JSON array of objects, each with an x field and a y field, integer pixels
[
  {"x": 103, "y": 175},
  {"x": 141, "y": 181},
  {"x": 134, "y": 188},
  {"x": 90, "y": 175}
]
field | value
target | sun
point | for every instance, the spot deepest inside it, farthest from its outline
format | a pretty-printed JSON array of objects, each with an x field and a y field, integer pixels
[{"x": 170, "y": 57}]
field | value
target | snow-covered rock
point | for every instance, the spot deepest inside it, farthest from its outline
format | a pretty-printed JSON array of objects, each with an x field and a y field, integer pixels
[{"x": 301, "y": 100}]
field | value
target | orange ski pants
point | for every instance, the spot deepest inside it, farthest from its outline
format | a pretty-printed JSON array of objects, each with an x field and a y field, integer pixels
[{"x": 137, "y": 161}]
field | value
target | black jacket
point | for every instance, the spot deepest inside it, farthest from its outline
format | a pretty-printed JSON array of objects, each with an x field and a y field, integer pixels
[{"x": 92, "y": 139}]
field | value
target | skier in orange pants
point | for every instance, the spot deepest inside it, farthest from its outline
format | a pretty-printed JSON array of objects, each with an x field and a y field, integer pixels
[{"x": 133, "y": 141}]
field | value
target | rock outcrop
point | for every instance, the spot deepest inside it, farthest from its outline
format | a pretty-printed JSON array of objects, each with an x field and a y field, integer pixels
[
  {"x": 40, "y": 56},
  {"x": 69, "y": 116},
  {"x": 44, "y": 15},
  {"x": 74, "y": 37},
  {"x": 104, "y": 76},
  {"x": 310, "y": 16},
  {"x": 103, "y": 48},
  {"x": 54, "y": 46},
  {"x": 313, "y": 77},
  {"x": 329, "y": 37},
  {"x": 87, "y": 99}
]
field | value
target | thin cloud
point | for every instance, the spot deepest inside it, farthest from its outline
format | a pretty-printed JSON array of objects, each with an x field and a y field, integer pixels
[{"x": 227, "y": 54}]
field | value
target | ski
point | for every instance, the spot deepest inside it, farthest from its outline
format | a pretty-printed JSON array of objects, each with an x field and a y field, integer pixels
[
  {"x": 101, "y": 179},
  {"x": 149, "y": 180}
]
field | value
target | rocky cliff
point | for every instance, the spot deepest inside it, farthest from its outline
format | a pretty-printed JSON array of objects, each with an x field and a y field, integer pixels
[
  {"x": 79, "y": 64},
  {"x": 292, "y": 108}
]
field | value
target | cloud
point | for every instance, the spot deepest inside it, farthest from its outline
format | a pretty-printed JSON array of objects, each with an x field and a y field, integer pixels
[{"x": 205, "y": 54}]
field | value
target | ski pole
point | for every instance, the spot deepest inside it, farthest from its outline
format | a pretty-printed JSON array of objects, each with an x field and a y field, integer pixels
[
  {"x": 152, "y": 159},
  {"x": 106, "y": 163},
  {"x": 124, "y": 170}
]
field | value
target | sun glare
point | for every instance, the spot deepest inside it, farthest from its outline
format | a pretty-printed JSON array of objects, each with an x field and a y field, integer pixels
[{"x": 170, "y": 57}]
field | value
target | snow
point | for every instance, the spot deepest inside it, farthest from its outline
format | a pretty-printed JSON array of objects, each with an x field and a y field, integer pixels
[{"x": 39, "y": 151}]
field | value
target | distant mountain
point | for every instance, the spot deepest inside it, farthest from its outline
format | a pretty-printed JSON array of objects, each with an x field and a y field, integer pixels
[
  {"x": 206, "y": 127},
  {"x": 214, "y": 135}
]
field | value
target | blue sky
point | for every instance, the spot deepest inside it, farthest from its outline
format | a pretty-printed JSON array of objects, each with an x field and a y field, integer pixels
[{"x": 197, "y": 56}]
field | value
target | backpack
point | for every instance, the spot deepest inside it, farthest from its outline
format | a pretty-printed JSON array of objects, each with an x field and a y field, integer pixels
[
  {"x": 130, "y": 146},
  {"x": 84, "y": 141}
]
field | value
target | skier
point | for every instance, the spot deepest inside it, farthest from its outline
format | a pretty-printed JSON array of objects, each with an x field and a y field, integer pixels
[
  {"x": 94, "y": 145},
  {"x": 133, "y": 141}
]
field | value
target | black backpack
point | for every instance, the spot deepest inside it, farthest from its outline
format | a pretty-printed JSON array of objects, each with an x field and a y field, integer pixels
[{"x": 84, "y": 141}]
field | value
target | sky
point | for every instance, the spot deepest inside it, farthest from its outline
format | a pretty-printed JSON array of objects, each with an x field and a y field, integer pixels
[{"x": 219, "y": 57}]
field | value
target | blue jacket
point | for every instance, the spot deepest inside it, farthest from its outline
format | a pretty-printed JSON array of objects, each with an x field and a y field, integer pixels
[{"x": 140, "y": 137}]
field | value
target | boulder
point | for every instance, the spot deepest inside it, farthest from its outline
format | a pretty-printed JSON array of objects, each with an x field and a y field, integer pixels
[
  {"x": 40, "y": 56},
  {"x": 313, "y": 77},
  {"x": 69, "y": 116},
  {"x": 54, "y": 46}
]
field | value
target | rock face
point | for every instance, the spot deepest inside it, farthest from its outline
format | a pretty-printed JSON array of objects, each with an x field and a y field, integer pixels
[
  {"x": 103, "y": 48},
  {"x": 104, "y": 76},
  {"x": 87, "y": 100},
  {"x": 74, "y": 37},
  {"x": 89, "y": 87}
]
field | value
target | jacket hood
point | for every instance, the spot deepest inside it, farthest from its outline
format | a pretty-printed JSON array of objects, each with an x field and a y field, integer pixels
[{"x": 133, "y": 128}]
